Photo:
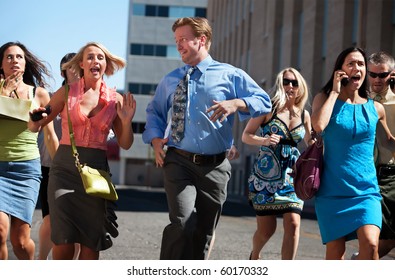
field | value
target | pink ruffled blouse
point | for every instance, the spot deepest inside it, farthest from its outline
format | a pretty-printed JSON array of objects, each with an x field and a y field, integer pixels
[{"x": 89, "y": 132}]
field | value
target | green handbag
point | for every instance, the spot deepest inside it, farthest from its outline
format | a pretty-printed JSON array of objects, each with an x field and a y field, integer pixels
[{"x": 96, "y": 182}]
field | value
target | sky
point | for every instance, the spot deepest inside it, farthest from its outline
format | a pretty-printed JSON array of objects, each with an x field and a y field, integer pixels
[{"x": 52, "y": 28}]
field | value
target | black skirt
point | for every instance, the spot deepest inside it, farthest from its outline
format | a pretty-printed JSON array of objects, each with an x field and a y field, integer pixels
[{"x": 76, "y": 217}]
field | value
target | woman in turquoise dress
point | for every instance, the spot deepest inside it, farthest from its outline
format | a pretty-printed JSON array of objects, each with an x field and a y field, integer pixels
[
  {"x": 271, "y": 190},
  {"x": 348, "y": 201}
]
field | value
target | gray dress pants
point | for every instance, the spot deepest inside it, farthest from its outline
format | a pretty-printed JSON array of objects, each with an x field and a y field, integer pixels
[{"x": 195, "y": 196}]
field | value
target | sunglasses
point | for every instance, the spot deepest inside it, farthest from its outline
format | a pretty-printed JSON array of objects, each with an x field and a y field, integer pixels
[
  {"x": 294, "y": 83},
  {"x": 380, "y": 75}
]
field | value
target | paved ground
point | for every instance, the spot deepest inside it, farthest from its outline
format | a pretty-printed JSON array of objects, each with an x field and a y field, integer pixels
[{"x": 142, "y": 215}]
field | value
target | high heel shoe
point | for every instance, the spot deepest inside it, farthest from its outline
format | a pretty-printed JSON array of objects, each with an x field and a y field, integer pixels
[{"x": 250, "y": 258}]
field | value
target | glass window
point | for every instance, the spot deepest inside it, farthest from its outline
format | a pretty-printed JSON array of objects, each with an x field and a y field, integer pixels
[
  {"x": 172, "y": 52},
  {"x": 200, "y": 12},
  {"x": 136, "y": 49},
  {"x": 163, "y": 11},
  {"x": 160, "y": 51},
  {"x": 134, "y": 88},
  {"x": 139, "y": 9},
  {"x": 150, "y": 10},
  {"x": 176, "y": 12},
  {"x": 148, "y": 50},
  {"x": 146, "y": 88},
  {"x": 138, "y": 127}
]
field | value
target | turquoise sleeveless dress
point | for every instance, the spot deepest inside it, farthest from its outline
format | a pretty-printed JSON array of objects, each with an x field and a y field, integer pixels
[
  {"x": 349, "y": 195},
  {"x": 271, "y": 190}
]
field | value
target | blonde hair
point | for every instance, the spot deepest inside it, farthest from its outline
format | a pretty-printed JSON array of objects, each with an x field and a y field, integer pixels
[
  {"x": 278, "y": 93},
  {"x": 114, "y": 63}
]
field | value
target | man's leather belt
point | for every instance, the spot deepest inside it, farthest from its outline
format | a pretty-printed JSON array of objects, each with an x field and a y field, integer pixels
[
  {"x": 200, "y": 159},
  {"x": 386, "y": 170}
]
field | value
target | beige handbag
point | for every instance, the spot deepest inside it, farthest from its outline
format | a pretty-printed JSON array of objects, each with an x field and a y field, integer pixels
[{"x": 14, "y": 108}]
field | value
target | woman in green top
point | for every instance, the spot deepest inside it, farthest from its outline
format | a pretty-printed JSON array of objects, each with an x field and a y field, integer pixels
[{"x": 22, "y": 76}]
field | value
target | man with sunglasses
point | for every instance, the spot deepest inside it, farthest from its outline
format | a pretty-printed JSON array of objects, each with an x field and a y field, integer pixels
[{"x": 381, "y": 67}]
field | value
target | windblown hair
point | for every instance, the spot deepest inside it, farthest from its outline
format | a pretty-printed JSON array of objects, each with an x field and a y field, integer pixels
[
  {"x": 114, "y": 63},
  {"x": 382, "y": 58},
  {"x": 279, "y": 96},
  {"x": 35, "y": 69},
  {"x": 200, "y": 27}
]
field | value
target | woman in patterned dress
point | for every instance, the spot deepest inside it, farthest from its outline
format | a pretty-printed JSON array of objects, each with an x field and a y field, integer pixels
[{"x": 271, "y": 190}]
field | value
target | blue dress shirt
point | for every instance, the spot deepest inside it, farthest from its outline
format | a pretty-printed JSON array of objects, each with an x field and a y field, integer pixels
[{"x": 211, "y": 80}]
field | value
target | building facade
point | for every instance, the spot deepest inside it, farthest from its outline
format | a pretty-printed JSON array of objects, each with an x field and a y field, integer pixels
[
  {"x": 151, "y": 54},
  {"x": 264, "y": 36},
  {"x": 261, "y": 37}
]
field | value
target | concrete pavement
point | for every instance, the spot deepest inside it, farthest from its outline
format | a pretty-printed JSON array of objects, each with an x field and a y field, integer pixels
[{"x": 142, "y": 215}]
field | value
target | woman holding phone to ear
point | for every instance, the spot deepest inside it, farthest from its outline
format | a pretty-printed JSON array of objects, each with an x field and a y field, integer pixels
[{"x": 348, "y": 201}]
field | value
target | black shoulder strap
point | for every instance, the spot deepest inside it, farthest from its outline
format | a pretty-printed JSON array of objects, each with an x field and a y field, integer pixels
[{"x": 34, "y": 92}]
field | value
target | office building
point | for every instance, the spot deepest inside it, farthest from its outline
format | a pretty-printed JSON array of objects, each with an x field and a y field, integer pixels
[
  {"x": 151, "y": 54},
  {"x": 264, "y": 36}
]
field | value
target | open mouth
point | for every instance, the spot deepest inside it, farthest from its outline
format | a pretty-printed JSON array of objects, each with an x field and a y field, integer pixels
[
  {"x": 355, "y": 78},
  {"x": 95, "y": 70}
]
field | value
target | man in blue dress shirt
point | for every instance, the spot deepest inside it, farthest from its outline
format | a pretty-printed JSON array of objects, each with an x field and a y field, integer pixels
[{"x": 196, "y": 170}]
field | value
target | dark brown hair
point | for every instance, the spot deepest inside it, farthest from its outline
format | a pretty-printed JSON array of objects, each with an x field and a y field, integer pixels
[{"x": 35, "y": 68}]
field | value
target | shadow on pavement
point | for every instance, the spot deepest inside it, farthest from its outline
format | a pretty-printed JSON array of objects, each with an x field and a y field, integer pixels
[{"x": 154, "y": 200}]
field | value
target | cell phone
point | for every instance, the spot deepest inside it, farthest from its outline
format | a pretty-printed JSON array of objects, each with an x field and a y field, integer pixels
[
  {"x": 39, "y": 115},
  {"x": 392, "y": 83},
  {"x": 344, "y": 81}
]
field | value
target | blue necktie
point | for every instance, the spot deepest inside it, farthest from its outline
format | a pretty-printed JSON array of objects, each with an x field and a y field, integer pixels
[{"x": 179, "y": 107}]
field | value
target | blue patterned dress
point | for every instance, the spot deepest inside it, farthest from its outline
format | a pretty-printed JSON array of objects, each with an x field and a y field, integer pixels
[
  {"x": 271, "y": 190},
  {"x": 349, "y": 195}
]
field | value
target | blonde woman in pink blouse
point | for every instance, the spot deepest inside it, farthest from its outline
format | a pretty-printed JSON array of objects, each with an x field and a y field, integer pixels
[{"x": 77, "y": 217}]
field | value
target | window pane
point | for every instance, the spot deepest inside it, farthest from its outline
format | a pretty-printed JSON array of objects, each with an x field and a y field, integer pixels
[
  {"x": 146, "y": 89},
  {"x": 172, "y": 52},
  {"x": 134, "y": 88},
  {"x": 176, "y": 12},
  {"x": 136, "y": 49},
  {"x": 163, "y": 11},
  {"x": 148, "y": 50},
  {"x": 160, "y": 51},
  {"x": 150, "y": 10},
  {"x": 139, "y": 9},
  {"x": 200, "y": 12}
]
